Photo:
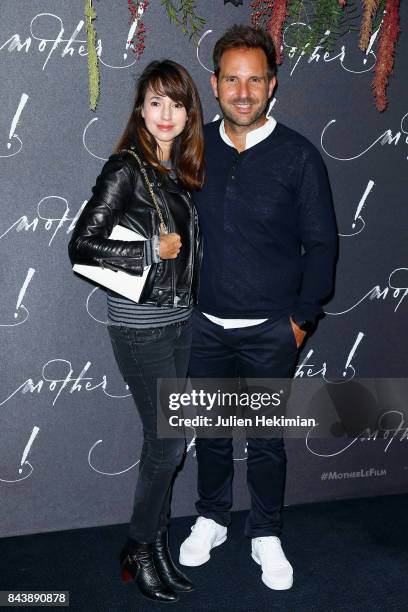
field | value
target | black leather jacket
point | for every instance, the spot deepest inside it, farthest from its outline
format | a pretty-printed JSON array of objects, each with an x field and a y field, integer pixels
[{"x": 120, "y": 196}]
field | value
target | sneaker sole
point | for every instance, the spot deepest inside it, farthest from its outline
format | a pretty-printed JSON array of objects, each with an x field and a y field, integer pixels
[
  {"x": 196, "y": 562},
  {"x": 271, "y": 584}
]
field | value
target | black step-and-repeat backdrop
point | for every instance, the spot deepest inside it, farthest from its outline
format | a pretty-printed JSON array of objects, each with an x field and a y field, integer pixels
[{"x": 70, "y": 435}]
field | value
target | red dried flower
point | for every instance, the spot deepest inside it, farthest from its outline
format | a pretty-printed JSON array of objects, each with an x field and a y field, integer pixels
[
  {"x": 137, "y": 10},
  {"x": 275, "y": 26},
  {"x": 385, "y": 56}
]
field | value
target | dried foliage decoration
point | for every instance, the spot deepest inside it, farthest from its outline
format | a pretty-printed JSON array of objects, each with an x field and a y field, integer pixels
[
  {"x": 386, "y": 50},
  {"x": 137, "y": 10},
  {"x": 261, "y": 12},
  {"x": 320, "y": 23},
  {"x": 184, "y": 16},
  {"x": 93, "y": 60},
  {"x": 275, "y": 25},
  {"x": 369, "y": 10}
]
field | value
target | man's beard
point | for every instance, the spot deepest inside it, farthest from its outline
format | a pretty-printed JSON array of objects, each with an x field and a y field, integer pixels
[{"x": 244, "y": 120}]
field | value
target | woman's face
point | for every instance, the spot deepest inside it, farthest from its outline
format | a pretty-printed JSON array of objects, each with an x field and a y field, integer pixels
[{"x": 164, "y": 118}]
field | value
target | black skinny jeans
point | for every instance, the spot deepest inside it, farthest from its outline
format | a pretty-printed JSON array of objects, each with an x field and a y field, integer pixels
[{"x": 143, "y": 356}]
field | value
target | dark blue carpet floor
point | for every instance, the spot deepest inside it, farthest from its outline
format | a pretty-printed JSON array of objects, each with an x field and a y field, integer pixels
[{"x": 348, "y": 555}]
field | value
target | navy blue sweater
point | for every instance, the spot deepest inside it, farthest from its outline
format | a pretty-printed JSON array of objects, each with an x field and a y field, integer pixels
[{"x": 270, "y": 237}]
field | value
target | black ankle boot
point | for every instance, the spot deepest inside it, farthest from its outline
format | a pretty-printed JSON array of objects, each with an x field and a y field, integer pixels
[
  {"x": 168, "y": 573},
  {"x": 137, "y": 564}
]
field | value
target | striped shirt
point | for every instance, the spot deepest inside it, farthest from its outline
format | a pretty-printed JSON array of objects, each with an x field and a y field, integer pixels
[{"x": 122, "y": 311}]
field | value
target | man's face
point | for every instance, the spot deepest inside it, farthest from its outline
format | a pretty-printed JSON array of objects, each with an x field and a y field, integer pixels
[{"x": 242, "y": 86}]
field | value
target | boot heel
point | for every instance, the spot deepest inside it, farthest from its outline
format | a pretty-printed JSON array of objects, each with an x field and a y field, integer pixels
[
  {"x": 129, "y": 571},
  {"x": 138, "y": 567},
  {"x": 126, "y": 575}
]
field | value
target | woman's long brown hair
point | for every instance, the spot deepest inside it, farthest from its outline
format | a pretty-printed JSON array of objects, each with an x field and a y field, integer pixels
[{"x": 167, "y": 78}]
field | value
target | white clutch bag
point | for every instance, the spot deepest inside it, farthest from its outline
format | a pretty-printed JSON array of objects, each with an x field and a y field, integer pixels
[{"x": 125, "y": 284}]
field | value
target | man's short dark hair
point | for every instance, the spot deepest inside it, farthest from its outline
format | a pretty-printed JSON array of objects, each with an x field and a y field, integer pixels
[{"x": 243, "y": 36}]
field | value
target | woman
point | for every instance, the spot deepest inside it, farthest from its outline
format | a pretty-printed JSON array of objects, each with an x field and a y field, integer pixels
[{"x": 151, "y": 339}]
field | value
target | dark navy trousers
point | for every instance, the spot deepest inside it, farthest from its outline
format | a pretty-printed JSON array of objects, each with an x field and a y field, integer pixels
[{"x": 266, "y": 350}]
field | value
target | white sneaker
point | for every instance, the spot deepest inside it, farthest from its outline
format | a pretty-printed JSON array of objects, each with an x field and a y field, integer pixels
[
  {"x": 205, "y": 535},
  {"x": 277, "y": 572}
]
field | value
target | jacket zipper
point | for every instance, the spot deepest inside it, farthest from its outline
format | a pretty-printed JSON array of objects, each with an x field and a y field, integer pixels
[
  {"x": 105, "y": 264},
  {"x": 192, "y": 243},
  {"x": 170, "y": 230}
]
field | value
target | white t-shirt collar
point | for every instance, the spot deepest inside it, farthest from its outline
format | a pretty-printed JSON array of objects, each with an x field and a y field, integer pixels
[{"x": 254, "y": 136}]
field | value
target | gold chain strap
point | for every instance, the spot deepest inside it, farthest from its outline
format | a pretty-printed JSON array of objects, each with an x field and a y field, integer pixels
[{"x": 150, "y": 188}]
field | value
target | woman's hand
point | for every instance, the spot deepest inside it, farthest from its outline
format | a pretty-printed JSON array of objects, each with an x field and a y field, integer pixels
[{"x": 170, "y": 245}]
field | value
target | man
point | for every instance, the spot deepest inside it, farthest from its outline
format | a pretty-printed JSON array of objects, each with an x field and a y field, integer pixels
[{"x": 270, "y": 243}]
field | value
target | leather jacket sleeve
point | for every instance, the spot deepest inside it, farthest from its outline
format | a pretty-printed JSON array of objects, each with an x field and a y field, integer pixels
[{"x": 90, "y": 244}]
